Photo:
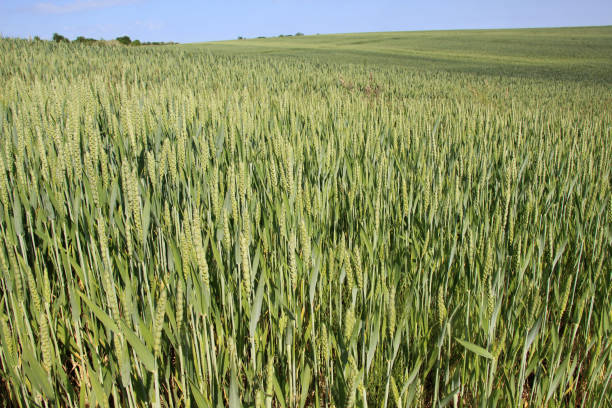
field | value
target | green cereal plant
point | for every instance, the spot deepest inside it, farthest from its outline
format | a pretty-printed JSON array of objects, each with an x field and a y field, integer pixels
[{"x": 191, "y": 228}]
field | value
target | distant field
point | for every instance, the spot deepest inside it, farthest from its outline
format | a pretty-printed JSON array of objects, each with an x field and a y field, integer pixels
[{"x": 583, "y": 53}]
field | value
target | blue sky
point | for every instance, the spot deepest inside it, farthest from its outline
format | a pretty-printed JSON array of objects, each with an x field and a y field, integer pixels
[{"x": 191, "y": 21}]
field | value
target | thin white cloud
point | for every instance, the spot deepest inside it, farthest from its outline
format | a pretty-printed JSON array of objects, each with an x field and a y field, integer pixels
[
  {"x": 150, "y": 25},
  {"x": 77, "y": 5}
]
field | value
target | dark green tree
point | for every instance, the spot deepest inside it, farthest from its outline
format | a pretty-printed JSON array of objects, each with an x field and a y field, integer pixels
[
  {"x": 59, "y": 38},
  {"x": 125, "y": 40}
]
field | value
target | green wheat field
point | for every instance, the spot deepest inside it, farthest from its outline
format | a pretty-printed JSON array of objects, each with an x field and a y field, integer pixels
[{"x": 411, "y": 219}]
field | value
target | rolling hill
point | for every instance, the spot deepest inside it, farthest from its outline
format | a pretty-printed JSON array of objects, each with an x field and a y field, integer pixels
[{"x": 577, "y": 53}]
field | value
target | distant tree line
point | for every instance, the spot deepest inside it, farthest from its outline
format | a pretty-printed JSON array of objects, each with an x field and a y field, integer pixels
[
  {"x": 298, "y": 34},
  {"x": 125, "y": 40},
  {"x": 289, "y": 35}
]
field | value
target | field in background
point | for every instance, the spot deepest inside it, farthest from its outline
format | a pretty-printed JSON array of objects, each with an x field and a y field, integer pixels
[
  {"x": 581, "y": 53},
  {"x": 361, "y": 221}
]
